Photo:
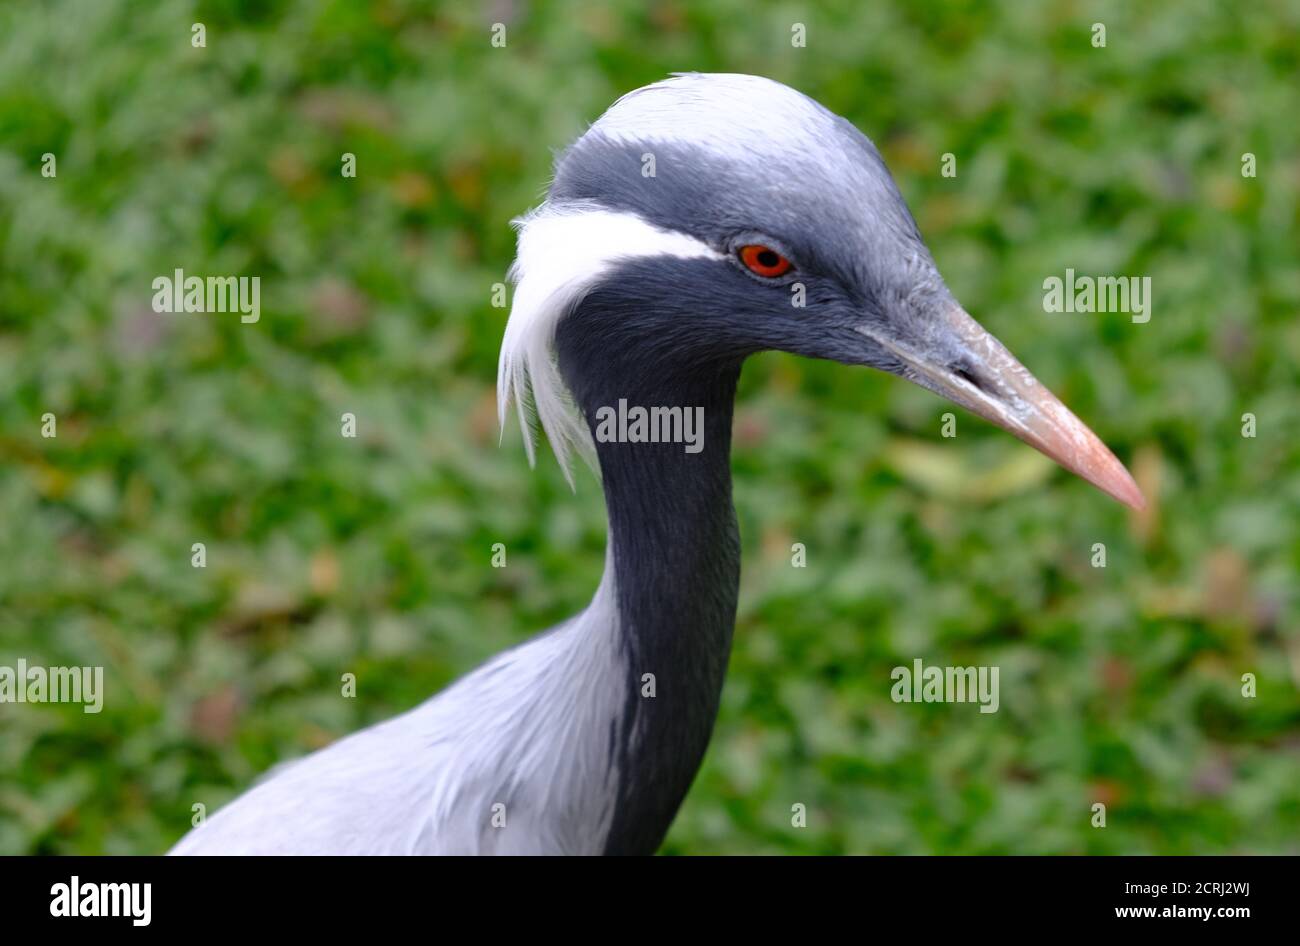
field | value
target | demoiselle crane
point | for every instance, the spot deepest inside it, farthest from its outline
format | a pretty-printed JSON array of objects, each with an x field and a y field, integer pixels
[{"x": 676, "y": 236}]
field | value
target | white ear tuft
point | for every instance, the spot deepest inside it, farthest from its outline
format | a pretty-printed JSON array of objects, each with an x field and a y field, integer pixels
[{"x": 564, "y": 251}]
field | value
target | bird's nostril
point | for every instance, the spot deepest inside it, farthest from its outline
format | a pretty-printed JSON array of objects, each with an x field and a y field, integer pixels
[{"x": 968, "y": 376}]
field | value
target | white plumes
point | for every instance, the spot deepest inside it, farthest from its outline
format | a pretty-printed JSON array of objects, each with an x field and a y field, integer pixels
[{"x": 564, "y": 251}]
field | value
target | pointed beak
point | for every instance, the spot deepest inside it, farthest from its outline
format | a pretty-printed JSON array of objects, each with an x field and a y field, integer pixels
[{"x": 978, "y": 373}]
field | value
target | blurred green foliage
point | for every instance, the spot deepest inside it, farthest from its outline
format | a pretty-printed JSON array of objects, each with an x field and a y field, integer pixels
[{"x": 371, "y": 556}]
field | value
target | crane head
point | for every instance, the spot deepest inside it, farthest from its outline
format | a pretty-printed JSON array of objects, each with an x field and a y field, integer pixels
[{"x": 724, "y": 215}]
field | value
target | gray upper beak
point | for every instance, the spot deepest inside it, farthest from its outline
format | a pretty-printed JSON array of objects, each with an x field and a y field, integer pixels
[{"x": 987, "y": 380}]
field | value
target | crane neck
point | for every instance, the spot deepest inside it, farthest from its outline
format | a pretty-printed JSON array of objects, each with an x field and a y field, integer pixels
[{"x": 675, "y": 556}]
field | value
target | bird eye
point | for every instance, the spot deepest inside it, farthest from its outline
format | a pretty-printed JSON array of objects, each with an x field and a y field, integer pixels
[{"x": 764, "y": 261}]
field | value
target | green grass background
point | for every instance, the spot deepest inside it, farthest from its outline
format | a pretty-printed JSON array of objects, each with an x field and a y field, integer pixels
[{"x": 371, "y": 556}]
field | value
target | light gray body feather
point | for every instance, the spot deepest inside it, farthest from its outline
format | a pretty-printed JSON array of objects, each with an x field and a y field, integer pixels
[{"x": 530, "y": 730}]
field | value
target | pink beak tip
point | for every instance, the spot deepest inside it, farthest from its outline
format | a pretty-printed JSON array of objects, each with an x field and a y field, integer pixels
[{"x": 1133, "y": 497}]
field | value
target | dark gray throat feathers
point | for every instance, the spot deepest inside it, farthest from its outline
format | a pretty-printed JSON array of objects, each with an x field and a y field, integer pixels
[{"x": 676, "y": 555}]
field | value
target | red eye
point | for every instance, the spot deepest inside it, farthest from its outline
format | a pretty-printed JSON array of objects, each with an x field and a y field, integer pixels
[{"x": 764, "y": 261}]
